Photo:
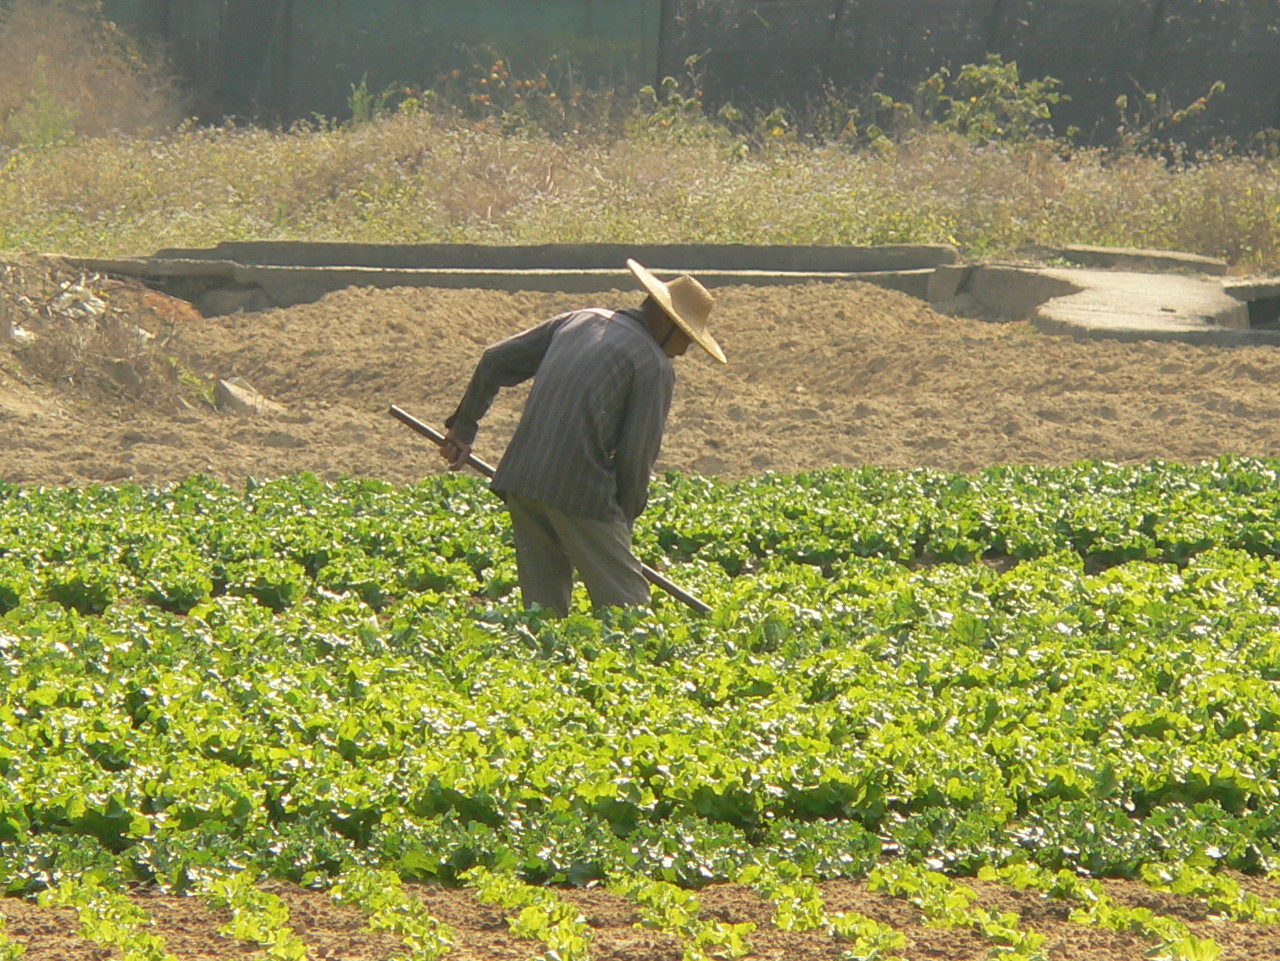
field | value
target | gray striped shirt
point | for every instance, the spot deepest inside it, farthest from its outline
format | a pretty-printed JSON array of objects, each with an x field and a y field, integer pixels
[{"x": 592, "y": 427}]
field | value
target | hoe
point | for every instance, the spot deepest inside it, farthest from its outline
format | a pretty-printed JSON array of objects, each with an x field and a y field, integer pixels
[{"x": 652, "y": 576}]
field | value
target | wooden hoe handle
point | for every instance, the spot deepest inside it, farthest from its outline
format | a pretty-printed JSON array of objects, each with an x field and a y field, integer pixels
[{"x": 652, "y": 576}]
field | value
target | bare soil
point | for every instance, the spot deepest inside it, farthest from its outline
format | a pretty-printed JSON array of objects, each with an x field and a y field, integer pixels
[
  {"x": 819, "y": 375},
  {"x": 480, "y": 931}
]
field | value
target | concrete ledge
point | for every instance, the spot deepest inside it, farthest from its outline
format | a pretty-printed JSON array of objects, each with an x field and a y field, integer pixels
[
  {"x": 1130, "y": 258},
  {"x": 151, "y": 268},
  {"x": 573, "y": 257},
  {"x": 1141, "y": 259},
  {"x": 1256, "y": 288},
  {"x": 252, "y": 276}
]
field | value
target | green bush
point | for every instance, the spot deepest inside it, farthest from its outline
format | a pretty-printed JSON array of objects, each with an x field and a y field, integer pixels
[{"x": 990, "y": 102}]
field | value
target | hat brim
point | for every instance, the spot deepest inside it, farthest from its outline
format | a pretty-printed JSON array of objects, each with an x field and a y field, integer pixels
[{"x": 658, "y": 291}]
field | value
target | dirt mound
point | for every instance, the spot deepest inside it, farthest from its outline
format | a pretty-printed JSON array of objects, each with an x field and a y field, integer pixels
[{"x": 107, "y": 381}]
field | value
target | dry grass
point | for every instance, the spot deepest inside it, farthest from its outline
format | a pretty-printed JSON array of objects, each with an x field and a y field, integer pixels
[
  {"x": 427, "y": 178},
  {"x": 67, "y": 72},
  {"x": 129, "y": 184},
  {"x": 82, "y": 329}
]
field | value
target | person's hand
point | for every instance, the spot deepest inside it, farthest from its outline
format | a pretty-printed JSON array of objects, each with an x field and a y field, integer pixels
[{"x": 454, "y": 451}]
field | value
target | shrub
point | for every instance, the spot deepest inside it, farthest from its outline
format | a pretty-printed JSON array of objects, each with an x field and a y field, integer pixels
[{"x": 990, "y": 101}]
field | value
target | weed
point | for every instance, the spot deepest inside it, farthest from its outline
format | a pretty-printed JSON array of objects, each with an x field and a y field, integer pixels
[
  {"x": 42, "y": 120},
  {"x": 436, "y": 178},
  {"x": 990, "y": 102},
  {"x": 671, "y": 117},
  {"x": 200, "y": 388},
  {"x": 1150, "y": 123},
  {"x": 365, "y": 105}
]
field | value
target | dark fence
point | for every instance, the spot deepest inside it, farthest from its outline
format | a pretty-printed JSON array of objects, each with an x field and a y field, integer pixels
[
  {"x": 784, "y": 51},
  {"x": 288, "y": 59}
]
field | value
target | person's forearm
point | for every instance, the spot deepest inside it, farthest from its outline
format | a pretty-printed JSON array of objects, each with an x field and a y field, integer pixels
[
  {"x": 465, "y": 420},
  {"x": 506, "y": 363}
]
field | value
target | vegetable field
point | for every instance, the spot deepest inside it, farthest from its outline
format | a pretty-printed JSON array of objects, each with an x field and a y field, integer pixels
[{"x": 1037, "y": 677}]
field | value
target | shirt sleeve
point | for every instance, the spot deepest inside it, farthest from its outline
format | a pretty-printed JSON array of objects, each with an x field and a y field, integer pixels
[
  {"x": 640, "y": 437},
  {"x": 504, "y": 364}
]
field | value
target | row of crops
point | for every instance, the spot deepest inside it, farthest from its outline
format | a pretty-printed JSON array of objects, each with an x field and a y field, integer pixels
[{"x": 1043, "y": 675}]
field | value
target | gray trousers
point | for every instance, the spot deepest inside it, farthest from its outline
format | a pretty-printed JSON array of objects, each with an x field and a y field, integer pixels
[{"x": 551, "y": 544}]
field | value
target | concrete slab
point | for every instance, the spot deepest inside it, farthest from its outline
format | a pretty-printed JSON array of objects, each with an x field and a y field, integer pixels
[
  {"x": 1014, "y": 293},
  {"x": 573, "y": 257},
  {"x": 1121, "y": 305}
]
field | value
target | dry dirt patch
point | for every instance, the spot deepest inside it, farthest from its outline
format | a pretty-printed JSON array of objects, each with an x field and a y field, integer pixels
[{"x": 819, "y": 375}]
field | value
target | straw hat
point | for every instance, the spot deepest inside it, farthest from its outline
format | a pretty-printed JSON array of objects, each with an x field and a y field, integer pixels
[{"x": 686, "y": 302}]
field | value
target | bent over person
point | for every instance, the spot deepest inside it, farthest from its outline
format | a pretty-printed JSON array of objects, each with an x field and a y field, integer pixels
[{"x": 576, "y": 474}]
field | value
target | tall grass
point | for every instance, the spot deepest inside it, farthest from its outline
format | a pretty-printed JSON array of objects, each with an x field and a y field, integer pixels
[
  {"x": 426, "y": 178},
  {"x": 654, "y": 171}
]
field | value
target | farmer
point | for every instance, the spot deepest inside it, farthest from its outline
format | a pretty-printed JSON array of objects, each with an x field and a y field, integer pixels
[{"x": 576, "y": 474}]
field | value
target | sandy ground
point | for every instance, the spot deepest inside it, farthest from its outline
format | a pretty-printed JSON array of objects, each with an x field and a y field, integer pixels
[{"x": 818, "y": 375}]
